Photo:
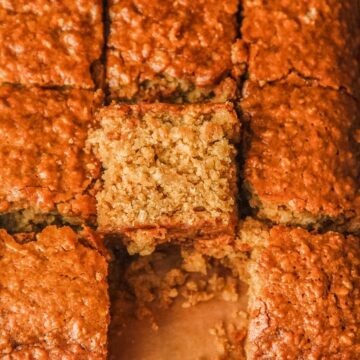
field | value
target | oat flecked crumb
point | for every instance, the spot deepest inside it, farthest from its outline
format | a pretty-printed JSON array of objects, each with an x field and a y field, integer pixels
[{"x": 169, "y": 172}]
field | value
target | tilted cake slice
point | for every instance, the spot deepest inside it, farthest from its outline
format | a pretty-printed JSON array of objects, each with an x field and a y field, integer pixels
[{"x": 169, "y": 172}]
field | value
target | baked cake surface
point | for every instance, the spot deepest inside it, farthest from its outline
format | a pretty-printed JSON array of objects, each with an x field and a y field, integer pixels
[
  {"x": 302, "y": 163},
  {"x": 171, "y": 50},
  {"x": 53, "y": 295},
  {"x": 304, "y": 293},
  {"x": 50, "y": 43},
  {"x": 169, "y": 175},
  {"x": 318, "y": 39},
  {"x": 44, "y": 166},
  {"x": 169, "y": 171}
]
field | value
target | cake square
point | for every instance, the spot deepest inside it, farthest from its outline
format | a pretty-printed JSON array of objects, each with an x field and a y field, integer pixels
[
  {"x": 53, "y": 295},
  {"x": 45, "y": 172},
  {"x": 304, "y": 297},
  {"x": 317, "y": 39},
  {"x": 52, "y": 43},
  {"x": 302, "y": 159},
  {"x": 171, "y": 51},
  {"x": 169, "y": 172}
]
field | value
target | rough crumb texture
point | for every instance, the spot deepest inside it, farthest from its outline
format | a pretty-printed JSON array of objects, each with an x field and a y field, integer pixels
[
  {"x": 53, "y": 296},
  {"x": 29, "y": 220},
  {"x": 318, "y": 39},
  {"x": 43, "y": 163},
  {"x": 50, "y": 43},
  {"x": 304, "y": 294},
  {"x": 302, "y": 163},
  {"x": 169, "y": 171},
  {"x": 180, "y": 294},
  {"x": 164, "y": 276},
  {"x": 171, "y": 50}
]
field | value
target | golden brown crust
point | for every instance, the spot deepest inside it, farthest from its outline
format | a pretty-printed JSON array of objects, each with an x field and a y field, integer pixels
[
  {"x": 50, "y": 44},
  {"x": 166, "y": 50},
  {"x": 53, "y": 296},
  {"x": 304, "y": 296},
  {"x": 302, "y": 165},
  {"x": 169, "y": 171},
  {"x": 318, "y": 39},
  {"x": 42, "y": 137}
]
